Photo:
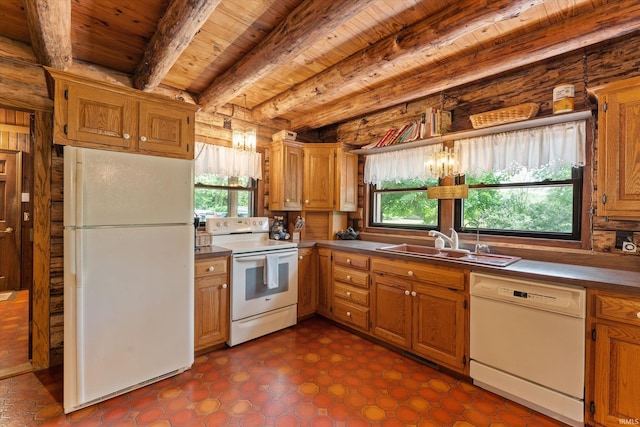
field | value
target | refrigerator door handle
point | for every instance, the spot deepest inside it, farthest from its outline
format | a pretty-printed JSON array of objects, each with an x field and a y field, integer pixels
[
  {"x": 78, "y": 190},
  {"x": 77, "y": 250}
]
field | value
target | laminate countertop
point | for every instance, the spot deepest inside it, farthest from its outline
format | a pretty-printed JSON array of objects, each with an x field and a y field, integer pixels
[{"x": 557, "y": 273}]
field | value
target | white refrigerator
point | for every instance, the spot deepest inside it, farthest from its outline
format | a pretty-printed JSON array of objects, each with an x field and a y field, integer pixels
[{"x": 128, "y": 272}]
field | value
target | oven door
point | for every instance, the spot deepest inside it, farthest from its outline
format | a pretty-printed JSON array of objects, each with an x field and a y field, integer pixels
[{"x": 250, "y": 294}]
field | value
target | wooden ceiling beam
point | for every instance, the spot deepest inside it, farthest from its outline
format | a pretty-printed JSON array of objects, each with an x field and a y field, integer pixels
[
  {"x": 49, "y": 23},
  {"x": 603, "y": 23},
  {"x": 420, "y": 39},
  {"x": 304, "y": 26},
  {"x": 176, "y": 29}
]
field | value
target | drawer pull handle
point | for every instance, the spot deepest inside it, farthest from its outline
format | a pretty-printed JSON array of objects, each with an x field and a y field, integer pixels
[
  {"x": 348, "y": 314},
  {"x": 348, "y": 277},
  {"x": 224, "y": 286},
  {"x": 406, "y": 292},
  {"x": 413, "y": 293},
  {"x": 300, "y": 257},
  {"x": 348, "y": 261},
  {"x": 211, "y": 268},
  {"x": 349, "y": 294},
  {"x": 638, "y": 315},
  {"x": 410, "y": 273}
]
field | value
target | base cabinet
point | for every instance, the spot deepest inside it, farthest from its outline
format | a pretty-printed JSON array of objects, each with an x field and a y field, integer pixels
[
  {"x": 211, "y": 302},
  {"x": 307, "y": 281},
  {"x": 422, "y": 308},
  {"x": 351, "y": 289},
  {"x": 325, "y": 283},
  {"x": 616, "y": 379}
]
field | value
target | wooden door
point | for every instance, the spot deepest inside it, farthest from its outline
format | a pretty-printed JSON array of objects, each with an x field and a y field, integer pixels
[
  {"x": 617, "y": 377},
  {"x": 439, "y": 326},
  {"x": 619, "y": 150},
  {"x": 319, "y": 177},
  {"x": 307, "y": 276},
  {"x": 211, "y": 311},
  {"x": 325, "y": 282},
  {"x": 165, "y": 130},
  {"x": 292, "y": 177},
  {"x": 347, "y": 181},
  {"x": 392, "y": 315},
  {"x": 99, "y": 118},
  {"x": 10, "y": 244}
]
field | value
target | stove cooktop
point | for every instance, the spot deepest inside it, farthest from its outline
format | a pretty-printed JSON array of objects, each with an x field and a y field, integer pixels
[{"x": 244, "y": 235}]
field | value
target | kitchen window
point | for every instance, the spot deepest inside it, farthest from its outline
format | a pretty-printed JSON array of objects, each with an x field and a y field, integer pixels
[
  {"x": 222, "y": 196},
  {"x": 404, "y": 204}
]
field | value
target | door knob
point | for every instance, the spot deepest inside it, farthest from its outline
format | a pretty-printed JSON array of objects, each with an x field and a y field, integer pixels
[{"x": 8, "y": 230}]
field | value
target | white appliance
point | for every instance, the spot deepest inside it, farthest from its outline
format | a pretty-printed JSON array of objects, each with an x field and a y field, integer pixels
[
  {"x": 528, "y": 343},
  {"x": 128, "y": 272},
  {"x": 264, "y": 277}
]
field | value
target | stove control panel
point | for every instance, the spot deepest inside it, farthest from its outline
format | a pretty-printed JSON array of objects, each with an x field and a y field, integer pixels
[{"x": 237, "y": 225}]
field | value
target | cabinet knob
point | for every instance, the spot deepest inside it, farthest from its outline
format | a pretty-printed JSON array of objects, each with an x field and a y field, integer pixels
[
  {"x": 348, "y": 314},
  {"x": 306, "y": 201},
  {"x": 406, "y": 292},
  {"x": 287, "y": 200},
  {"x": 300, "y": 257},
  {"x": 349, "y": 295},
  {"x": 638, "y": 315},
  {"x": 126, "y": 136},
  {"x": 224, "y": 286},
  {"x": 410, "y": 273},
  {"x": 211, "y": 268},
  {"x": 348, "y": 278},
  {"x": 413, "y": 293},
  {"x": 143, "y": 138},
  {"x": 348, "y": 261}
]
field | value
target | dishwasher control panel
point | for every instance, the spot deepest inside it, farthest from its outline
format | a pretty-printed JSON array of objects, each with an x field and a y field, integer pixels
[{"x": 529, "y": 296}]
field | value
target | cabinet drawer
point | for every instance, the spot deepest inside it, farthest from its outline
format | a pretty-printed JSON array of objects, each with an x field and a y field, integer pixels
[
  {"x": 352, "y": 277},
  {"x": 361, "y": 262},
  {"x": 436, "y": 275},
  {"x": 211, "y": 266},
  {"x": 350, "y": 293},
  {"x": 618, "y": 308},
  {"x": 351, "y": 314}
]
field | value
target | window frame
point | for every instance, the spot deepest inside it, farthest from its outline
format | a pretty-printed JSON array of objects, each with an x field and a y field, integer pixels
[
  {"x": 577, "y": 181},
  {"x": 407, "y": 227},
  {"x": 252, "y": 189}
]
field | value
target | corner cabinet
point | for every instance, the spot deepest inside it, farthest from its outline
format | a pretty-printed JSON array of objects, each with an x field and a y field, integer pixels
[
  {"x": 312, "y": 177},
  {"x": 211, "y": 302},
  {"x": 619, "y": 148},
  {"x": 616, "y": 377},
  {"x": 98, "y": 115}
]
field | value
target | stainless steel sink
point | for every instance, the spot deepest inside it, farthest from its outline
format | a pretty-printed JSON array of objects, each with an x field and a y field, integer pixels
[{"x": 459, "y": 255}]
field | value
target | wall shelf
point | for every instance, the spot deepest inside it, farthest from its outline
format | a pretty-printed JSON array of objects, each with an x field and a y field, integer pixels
[{"x": 526, "y": 124}]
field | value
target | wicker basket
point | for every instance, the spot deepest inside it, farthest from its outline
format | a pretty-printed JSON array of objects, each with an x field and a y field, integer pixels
[{"x": 504, "y": 115}]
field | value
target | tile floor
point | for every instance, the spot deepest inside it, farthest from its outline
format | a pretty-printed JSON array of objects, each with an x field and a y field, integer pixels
[
  {"x": 314, "y": 374},
  {"x": 14, "y": 331}
]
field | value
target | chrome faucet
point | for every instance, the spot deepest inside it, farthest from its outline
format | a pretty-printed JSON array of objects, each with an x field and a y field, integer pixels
[{"x": 452, "y": 241}]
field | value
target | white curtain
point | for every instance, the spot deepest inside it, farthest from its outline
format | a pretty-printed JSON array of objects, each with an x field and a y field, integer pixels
[
  {"x": 225, "y": 161},
  {"x": 398, "y": 165},
  {"x": 555, "y": 146}
]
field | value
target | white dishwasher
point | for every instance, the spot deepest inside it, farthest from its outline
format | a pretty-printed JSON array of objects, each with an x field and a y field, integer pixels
[{"x": 527, "y": 343}]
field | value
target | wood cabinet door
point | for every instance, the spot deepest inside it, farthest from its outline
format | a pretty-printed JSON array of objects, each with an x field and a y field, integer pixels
[
  {"x": 307, "y": 278},
  {"x": 319, "y": 177},
  {"x": 293, "y": 177},
  {"x": 617, "y": 377},
  {"x": 347, "y": 181},
  {"x": 618, "y": 153},
  {"x": 100, "y": 118},
  {"x": 211, "y": 323},
  {"x": 325, "y": 282},
  {"x": 439, "y": 326},
  {"x": 391, "y": 312},
  {"x": 165, "y": 130}
]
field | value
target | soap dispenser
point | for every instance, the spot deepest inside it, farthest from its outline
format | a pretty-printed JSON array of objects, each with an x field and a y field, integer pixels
[{"x": 439, "y": 243}]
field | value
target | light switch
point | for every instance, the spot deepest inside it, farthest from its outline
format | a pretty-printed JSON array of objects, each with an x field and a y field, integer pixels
[{"x": 25, "y": 197}]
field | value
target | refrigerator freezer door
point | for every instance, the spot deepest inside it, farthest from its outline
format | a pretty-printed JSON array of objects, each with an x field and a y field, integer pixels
[
  {"x": 104, "y": 188},
  {"x": 132, "y": 299}
]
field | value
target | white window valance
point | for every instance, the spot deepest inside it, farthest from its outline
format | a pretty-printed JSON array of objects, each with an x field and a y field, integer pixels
[
  {"x": 555, "y": 145},
  {"x": 399, "y": 165},
  {"x": 225, "y": 161}
]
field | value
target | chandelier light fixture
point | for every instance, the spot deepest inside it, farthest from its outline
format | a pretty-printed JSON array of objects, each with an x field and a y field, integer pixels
[
  {"x": 244, "y": 138},
  {"x": 443, "y": 163}
]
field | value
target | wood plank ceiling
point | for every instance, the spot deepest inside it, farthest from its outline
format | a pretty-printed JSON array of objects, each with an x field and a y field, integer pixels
[{"x": 309, "y": 63}]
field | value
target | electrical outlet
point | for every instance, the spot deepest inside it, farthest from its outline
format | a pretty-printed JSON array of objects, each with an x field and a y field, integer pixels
[{"x": 623, "y": 237}]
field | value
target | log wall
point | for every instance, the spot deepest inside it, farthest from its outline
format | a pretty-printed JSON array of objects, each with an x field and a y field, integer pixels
[{"x": 590, "y": 67}]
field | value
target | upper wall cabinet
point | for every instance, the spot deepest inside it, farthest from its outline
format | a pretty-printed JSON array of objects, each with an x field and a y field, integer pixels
[
  {"x": 320, "y": 177},
  {"x": 93, "y": 114},
  {"x": 618, "y": 167}
]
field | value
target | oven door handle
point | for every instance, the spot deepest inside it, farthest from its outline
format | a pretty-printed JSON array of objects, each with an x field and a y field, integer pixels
[{"x": 262, "y": 257}]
